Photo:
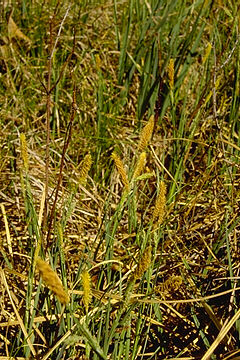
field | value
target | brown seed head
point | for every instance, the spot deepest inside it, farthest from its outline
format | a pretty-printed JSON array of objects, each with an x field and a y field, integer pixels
[
  {"x": 159, "y": 210},
  {"x": 143, "y": 263}
]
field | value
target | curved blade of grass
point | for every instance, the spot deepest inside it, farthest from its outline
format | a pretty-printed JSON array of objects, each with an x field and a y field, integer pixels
[{"x": 91, "y": 340}]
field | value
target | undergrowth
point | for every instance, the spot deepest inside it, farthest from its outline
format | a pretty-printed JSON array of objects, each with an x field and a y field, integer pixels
[{"x": 119, "y": 180}]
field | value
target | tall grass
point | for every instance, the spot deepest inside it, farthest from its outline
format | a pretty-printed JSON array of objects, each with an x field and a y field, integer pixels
[{"x": 119, "y": 171}]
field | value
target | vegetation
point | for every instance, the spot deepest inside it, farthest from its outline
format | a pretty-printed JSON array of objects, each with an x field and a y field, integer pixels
[{"x": 119, "y": 180}]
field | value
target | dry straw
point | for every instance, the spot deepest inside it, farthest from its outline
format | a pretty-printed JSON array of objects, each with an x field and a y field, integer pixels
[
  {"x": 86, "y": 284},
  {"x": 140, "y": 165},
  {"x": 15, "y": 32},
  {"x": 143, "y": 263},
  {"x": 159, "y": 210},
  {"x": 171, "y": 285},
  {"x": 24, "y": 150},
  {"x": 120, "y": 169},
  {"x": 52, "y": 281},
  {"x": 171, "y": 73},
  {"x": 85, "y": 167},
  {"x": 146, "y": 134}
]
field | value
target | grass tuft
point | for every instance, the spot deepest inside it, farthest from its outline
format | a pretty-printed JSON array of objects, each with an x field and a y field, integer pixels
[{"x": 159, "y": 82}]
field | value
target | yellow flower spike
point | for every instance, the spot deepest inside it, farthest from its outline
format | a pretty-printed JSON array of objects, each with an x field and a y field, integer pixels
[
  {"x": 120, "y": 168},
  {"x": 146, "y": 134},
  {"x": 52, "y": 281}
]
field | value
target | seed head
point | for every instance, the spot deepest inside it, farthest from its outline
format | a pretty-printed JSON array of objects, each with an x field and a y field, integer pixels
[
  {"x": 159, "y": 210},
  {"x": 52, "y": 281},
  {"x": 24, "y": 150},
  {"x": 120, "y": 169},
  {"x": 140, "y": 165},
  {"x": 87, "y": 294},
  {"x": 85, "y": 167},
  {"x": 146, "y": 134},
  {"x": 143, "y": 263}
]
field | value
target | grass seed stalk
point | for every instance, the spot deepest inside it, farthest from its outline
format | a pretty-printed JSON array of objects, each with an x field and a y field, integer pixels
[
  {"x": 146, "y": 134},
  {"x": 52, "y": 281}
]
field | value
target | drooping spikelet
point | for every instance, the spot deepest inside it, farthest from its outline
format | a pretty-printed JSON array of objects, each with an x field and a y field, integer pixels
[
  {"x": 120, "y": 169},
  {"x": 85, "y": 167},
  {"x": 171, "y": 74},
  {"x": 140, "y": 165},
  {"x": 143, "y": 263},
  {"x": 86, "y": 284},
  {"x": 146, "y": 134},
  {"x": 52, "y": 281},
  {"x": 24, "y": 150},
  {"x": 159, "y": 210}
]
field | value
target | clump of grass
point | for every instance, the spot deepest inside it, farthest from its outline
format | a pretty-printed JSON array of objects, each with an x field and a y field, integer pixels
[{"x": 122, "y": 75}]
